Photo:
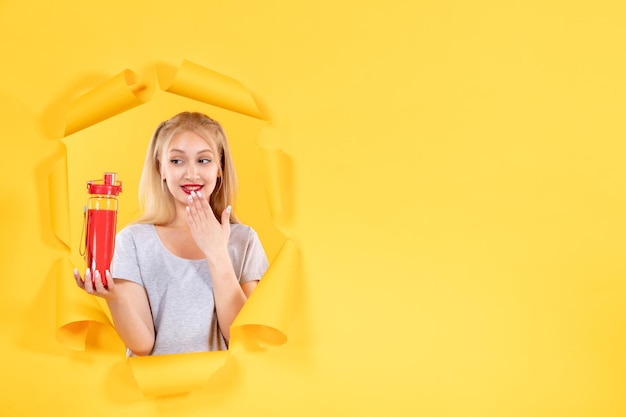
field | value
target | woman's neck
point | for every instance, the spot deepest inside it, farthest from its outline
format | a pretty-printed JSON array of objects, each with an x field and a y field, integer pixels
[{"x": 180, "y": 220}]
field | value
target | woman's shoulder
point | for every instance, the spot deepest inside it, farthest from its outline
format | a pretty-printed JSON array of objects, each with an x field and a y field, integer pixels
[
  {"x": 247, "y": 254},
  {"x": 240, "y": 228},
  {"x": 137, "y": 230},
  {"x": 241, "y": 232}
]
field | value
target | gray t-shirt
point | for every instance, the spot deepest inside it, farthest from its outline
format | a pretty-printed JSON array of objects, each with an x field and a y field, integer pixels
[{"x": 180, "y": 290}]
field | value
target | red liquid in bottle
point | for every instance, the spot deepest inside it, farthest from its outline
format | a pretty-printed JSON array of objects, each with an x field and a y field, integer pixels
[
  {"x": 100, "y": 241},
  {"x": 101, "y": 218}
]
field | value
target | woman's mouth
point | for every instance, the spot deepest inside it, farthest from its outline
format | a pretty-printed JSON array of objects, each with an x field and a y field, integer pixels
[{"x": 188, "y": 188}]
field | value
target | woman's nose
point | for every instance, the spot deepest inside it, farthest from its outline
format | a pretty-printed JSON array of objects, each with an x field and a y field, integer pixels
[{"x": 192, "y": 172}]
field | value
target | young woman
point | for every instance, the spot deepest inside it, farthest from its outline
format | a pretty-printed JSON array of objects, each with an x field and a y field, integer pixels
[{"x": 182, "y": 272}]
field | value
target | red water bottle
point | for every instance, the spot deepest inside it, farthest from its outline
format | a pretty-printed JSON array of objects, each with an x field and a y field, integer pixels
[{"x": 101, "y": 219}]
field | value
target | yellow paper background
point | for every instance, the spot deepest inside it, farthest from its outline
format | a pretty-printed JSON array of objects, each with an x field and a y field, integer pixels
[
  {"x": 456, "y": 195},
  {"x": 102, "y": 135}
]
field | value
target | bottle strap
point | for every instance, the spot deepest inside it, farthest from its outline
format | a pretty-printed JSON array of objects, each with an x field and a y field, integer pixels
[{"x": 83, "y": 241}]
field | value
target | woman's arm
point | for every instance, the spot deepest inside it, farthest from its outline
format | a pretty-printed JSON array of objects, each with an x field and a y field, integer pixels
[
  {"x": 229, "y": 295},
  {"x": 212, "y": 236},
  {"x": 129, "y": 306}
]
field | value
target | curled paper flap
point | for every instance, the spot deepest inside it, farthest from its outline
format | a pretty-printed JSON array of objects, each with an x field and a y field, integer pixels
[
  {"x": 202, "y": 84},
  {"x": 278, "y": 176},
  {"x": 59, "y": 201},
  {"x": 115, "y": 96},
  {"x": 265, "y": 317},
  {"x": 175, "y": 374},
  {"x": 76, "y": 310}
]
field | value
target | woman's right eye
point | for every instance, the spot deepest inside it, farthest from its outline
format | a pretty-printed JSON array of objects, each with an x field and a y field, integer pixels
[{"x": 176, "y": 161}]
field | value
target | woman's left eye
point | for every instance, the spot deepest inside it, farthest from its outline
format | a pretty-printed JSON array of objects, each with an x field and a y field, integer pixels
[{"x": 204, "y": 160}]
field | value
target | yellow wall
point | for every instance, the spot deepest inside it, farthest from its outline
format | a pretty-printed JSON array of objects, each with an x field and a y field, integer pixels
[{"x": 457, "y": 196}]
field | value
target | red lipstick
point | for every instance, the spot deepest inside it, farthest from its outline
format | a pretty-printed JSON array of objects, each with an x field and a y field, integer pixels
[{"x": 188, "y": 188}]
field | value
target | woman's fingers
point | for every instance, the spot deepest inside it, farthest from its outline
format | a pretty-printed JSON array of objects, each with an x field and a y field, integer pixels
[
  {"x": 110, "y": 281},
  {"x": 95, "y": 283},
  {"x": 79, "y": 279},
  {"x": 193, "y": 211},
  {"x": 209, "y": 231},
  {"x": 199, "y": 211},
  {"x": 202, "y": 207},
  {"x": 88, "y": 285},
  {"x": 98, "y": 284}
]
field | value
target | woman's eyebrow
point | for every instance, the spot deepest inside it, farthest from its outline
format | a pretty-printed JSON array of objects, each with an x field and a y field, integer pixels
[{"x": 198, "y": 153}]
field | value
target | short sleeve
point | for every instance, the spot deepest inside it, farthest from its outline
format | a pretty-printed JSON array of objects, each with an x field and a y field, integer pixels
[
  {"x": 125, "y": 263},
  {"x": 255, "y": 261}
]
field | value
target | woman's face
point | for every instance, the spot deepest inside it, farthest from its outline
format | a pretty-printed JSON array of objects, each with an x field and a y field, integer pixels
[{"x": 189, "y": 164}]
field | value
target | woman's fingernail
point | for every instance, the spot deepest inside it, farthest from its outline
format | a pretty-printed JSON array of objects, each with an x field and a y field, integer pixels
[
  {"x": 199, "y": 194},
  {"x": 229, "y": 208},
  {"x": 75, "y": 271}
]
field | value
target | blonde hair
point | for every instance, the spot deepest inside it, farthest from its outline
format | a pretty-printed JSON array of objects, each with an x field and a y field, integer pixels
[{"x": 156, "y": 203}]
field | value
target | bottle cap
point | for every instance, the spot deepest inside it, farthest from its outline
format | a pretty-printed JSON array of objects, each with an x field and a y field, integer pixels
[{"x": 109, "y": 185}]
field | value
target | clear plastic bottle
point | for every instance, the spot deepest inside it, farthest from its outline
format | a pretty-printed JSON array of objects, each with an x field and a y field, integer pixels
[{"x": 101, "y": 223}]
